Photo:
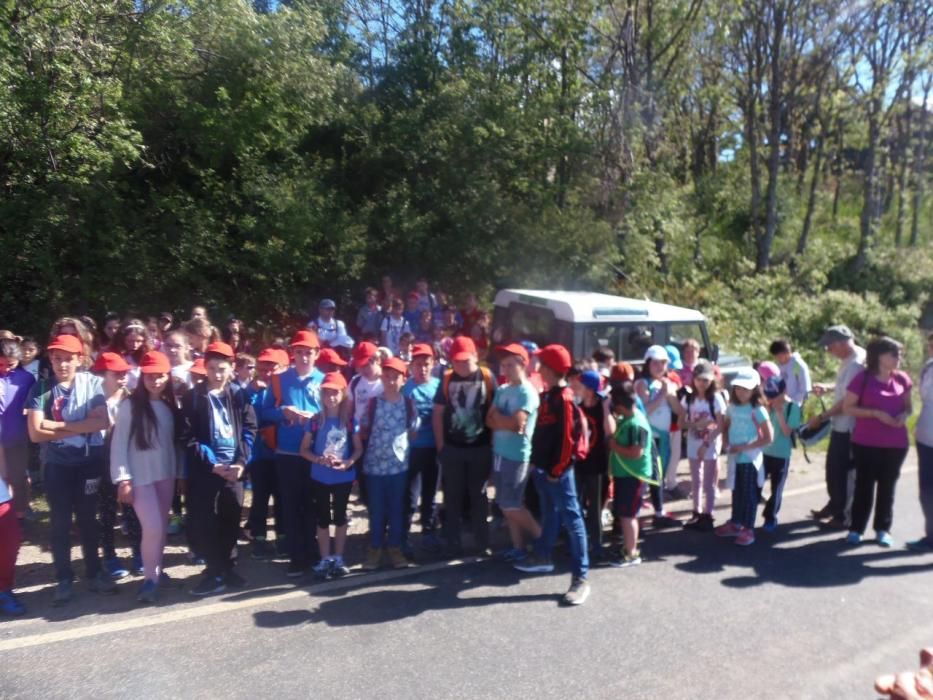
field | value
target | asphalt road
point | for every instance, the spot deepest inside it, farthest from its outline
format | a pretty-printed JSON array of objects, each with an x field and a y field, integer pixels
[{"x": 797, "y": 615}]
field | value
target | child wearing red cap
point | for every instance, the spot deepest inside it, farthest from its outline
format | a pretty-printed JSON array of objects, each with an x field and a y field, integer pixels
[
  {"x": 328, "y": 445},
  {"x": 218, "y": 427},
  {"x": 70, "y": 416},
  {"x": 143, "y": 463},
  {"x": 113, "y": 371},
  {"x": 552, "y": 455},
  {"x": 389, "y": 424},
  {"x": 293, "y": 401}
]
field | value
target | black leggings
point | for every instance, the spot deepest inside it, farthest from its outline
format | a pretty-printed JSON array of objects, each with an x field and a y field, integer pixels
[
  {"x": 330, "y": 503},
  {"x": 876, "y": 469}
]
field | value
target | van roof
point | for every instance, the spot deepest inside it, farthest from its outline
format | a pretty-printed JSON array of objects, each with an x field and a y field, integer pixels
[{"x": 590, "y": 307}]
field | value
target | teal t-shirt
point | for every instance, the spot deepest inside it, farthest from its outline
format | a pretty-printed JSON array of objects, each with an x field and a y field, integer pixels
[
  {"x": 508, "y": 401},
  {"x": 782, "y": 446},
  {"x": 744, "y": 420}
]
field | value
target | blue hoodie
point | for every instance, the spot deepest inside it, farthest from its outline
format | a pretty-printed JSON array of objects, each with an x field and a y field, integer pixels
[{"x": 301, "y": 393}]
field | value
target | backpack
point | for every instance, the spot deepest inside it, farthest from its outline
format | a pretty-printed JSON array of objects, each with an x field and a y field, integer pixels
[
  {"x": 488, "y": 380},
  {"x": 580, "y": 433}
]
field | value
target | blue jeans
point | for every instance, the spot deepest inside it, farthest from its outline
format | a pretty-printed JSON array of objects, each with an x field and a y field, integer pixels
[
  {"x": 560, "y": 506},
  {"x": 925, "y": 453},
  {"x": 386, "y": 501}
]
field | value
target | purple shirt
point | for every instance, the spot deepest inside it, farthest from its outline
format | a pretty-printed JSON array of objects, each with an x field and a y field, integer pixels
[
  {"x": 891, "y": 397},
  {"x": 14, "y": 388}
]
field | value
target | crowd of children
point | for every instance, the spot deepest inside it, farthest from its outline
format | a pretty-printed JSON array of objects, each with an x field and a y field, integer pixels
[{"x": 157, "y": 420}]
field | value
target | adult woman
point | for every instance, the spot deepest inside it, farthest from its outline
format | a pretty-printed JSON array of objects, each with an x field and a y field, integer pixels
[
  {"x": 143, "y": 463},
  {"x": 925, "y": 452},
  {"x": 879, "y": 400}
]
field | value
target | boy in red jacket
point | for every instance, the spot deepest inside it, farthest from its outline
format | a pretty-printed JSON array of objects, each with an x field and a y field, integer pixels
[{"x": 552, "y": 459}]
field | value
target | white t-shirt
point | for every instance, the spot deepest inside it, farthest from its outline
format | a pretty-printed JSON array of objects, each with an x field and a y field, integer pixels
[
  {"x": 695, "y": 410},
  {"x": 660, "y": 417},
  {"x": 362, "y": 390},
  {"x": 394, "y": 330},
  {"x": 796, "y": 374}
]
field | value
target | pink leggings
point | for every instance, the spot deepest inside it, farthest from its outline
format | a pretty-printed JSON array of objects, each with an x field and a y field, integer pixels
[
  {"x": 152, "y": 503},
  {"x": 710, "y": 469}
]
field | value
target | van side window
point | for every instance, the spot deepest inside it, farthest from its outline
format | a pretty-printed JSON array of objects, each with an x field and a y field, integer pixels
[
  {"x": 635, "y": 341},
  {"x": 679, "y": 332}
]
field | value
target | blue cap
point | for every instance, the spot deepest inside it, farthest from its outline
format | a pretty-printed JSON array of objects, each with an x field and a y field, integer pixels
[
  {"x": 673, "y": 355},
  {"x": 530, "y": 346},
  {"x": 591, "y": 379},
  {"x": 774, "y": 387},
  {"x": 327, "y": 304}
]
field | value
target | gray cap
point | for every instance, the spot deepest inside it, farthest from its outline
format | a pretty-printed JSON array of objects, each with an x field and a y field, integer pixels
[
  {"x": 835, "y": 334},
  {"x": 704, "y": 368},
  {"x": 327, "y": 304}
]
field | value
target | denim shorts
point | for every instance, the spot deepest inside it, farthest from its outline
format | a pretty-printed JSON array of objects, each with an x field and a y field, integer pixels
[{"x": 510, "y": 478}]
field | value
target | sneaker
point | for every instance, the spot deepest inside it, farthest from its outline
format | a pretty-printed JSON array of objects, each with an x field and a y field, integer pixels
[
  {"x": 373, "y": 559},
  {"x": 625, "y": 560},
  {"x": 730, "y": 529},
  {"x": 338, "y": 568},
  {"x": 323, "y": 569},
  {"x": 770, "y": 526},
  {"x": 64, "y": 592},
  {"x": 835, "y": 524},
  {"x": 664, "y": 520},
  {"x": 746, "y": 537},
  {"x": 102, "y": 583},
  {"x": 578, "y": 592},
  {"x": 431, "y": 543},
  {"x": 854, "y": 538},
  {"x": 115, "y": 568},
  {"x": 234, "y": 580},
  {"x": 884, "y": 538},
  {"x": 166, "y": 581},
  {"x": 397, "y": 559},
  {"x": 10, "y": 605},
  {"x": 706, "y": 523},
  {"x": 921, "y": 545},
  {"x": 148, "y": 592},
  {"x": 821, "y": 514},
  {"x": 534, "y": 565},
  {"x": 174, "y": 525},
  {"x": 136, "y": 564},
  {"x": 261, "y": 550},
  {"x": 513, "y": 554},
  {"x": 295, "y": 570},
  {"x": 281, "y": 549},
  {"x": 209, "y": 585}
]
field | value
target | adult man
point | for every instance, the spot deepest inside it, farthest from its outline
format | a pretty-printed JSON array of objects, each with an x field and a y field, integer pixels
[
  {"x": 463, "y": 442},
  {"x": 290, "y": 406},
  {"x": 840, "y": 342},
  {"x": 328, "y": 328}
]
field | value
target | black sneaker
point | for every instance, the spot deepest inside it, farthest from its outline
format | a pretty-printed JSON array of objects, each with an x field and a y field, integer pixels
[
  {"x": 64, "y": 592},
  {"x": 295, "y": 570},
  {"x": 261, "y": 550},
  {"x": 234, "y": 580},
  {"x": 209, "y": 585},
  {"x": 281, "y": 548},
  {"x": 102, "y": 583}
]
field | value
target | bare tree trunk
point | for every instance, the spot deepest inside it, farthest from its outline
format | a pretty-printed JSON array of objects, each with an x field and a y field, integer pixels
[
  {"x": 918, "y": 173},
  {"x": 775, "y": 106},
  {"x": 811, "y": 198}
]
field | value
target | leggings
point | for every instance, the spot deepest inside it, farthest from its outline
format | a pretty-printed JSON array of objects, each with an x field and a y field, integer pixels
[
  {"x": 705, "y": 474},
  {"x": 152, "y": 503},
  {"x": 330, "y": 503},
  {"x": 10, "y": 536}
]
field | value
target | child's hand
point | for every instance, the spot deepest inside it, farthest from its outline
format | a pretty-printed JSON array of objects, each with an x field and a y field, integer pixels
[{"x": 907, "y": 685}]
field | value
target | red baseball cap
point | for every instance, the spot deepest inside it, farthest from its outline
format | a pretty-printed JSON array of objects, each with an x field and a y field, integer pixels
[
  {"x": 421, "y": 350},
  {"x": 363, "y": 353},
  {"x": 462, "y": 348},
  {"x": 218, "y": 348},
  {"x": 154, "y": 362},
  {"x": 269, "y": 355},
  {"x": 396, "y": 364},
  {"x": 68, "y": 343},
  {"x": 335, "y": 381},
  {"x": 555, "y": 357},
  {"x": 514, "y": 349},
  {"x": 331, "y": 357},
  {"x": 284, "y": 359},
  {"x": 198, "y": 367},
  {"x": 110, "y": 362},
  {"x": 414, "y": 296},
  {"x": 306, "y": 339}
]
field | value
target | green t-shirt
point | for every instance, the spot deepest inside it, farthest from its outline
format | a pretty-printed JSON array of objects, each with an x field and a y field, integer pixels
[
  {"x": 633, "y": 431},
  {"x": 782, "y": 446}
]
